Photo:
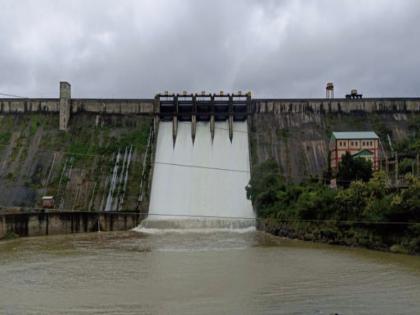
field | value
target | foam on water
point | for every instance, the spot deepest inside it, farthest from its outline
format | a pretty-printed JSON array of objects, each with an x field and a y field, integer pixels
[
  {"x": 200, "y": 186},
  {"x": 184, "y": 230}
]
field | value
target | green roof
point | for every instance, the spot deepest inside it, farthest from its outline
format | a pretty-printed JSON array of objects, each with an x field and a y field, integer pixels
[
  {"x": 354, "y": 135},
  {"x": 363, "y": 153}
]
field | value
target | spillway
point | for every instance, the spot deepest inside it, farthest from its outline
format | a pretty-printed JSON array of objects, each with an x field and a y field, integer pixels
[{"x": 201, "y": 184}]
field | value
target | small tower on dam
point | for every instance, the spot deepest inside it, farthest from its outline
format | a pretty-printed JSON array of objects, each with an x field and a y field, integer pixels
[
  {"x": 65, "y": 105},
  {"x": 329, "y": 90}
]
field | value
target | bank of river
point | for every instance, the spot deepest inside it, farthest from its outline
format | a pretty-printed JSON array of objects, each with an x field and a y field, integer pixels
[
  {"x": 201, "y": 273},
  {"x": 336, "y": 233}
]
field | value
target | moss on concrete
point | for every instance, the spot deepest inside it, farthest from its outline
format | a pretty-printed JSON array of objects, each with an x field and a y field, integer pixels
[
  {"x": 74, "y": 166},
  {"x": 299, "y": 142}
]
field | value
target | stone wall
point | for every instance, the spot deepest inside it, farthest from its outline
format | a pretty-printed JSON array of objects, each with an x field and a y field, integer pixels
[{"x": 50, "y": 223}]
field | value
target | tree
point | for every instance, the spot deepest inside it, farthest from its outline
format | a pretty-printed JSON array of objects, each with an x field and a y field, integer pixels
[
  {"x": 351, "y": 169},
  {"x": 264, "y": 186}
]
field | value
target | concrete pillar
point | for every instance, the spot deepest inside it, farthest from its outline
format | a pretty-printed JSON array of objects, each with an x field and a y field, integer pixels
[
  {"x": 212, "y": 127},
  {"x": 65, "y": 105},
  {"x": 3, "y": 227},
  {"x": 230, "y": 127},
  {"x": 193, "y": 127},
  {"x": 174, "y": 128}
]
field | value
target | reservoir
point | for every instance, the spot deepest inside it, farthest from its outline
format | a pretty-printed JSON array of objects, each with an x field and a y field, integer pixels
[{"x": 202, "y": 272}]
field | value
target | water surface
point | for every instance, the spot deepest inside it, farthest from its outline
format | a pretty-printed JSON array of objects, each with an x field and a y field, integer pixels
[{"x": 201, "y": 273}]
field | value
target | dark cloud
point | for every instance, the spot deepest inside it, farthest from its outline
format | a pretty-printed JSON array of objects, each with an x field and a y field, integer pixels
[{"x": 274, "y": 48}]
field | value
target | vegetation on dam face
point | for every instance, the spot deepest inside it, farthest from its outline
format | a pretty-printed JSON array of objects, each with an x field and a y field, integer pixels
[
  {"x": 368, "y": 214},
  {"x": 99, "y": 161}
]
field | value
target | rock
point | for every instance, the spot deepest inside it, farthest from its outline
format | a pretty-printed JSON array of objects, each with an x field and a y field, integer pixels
[{"x": 398, "y": 249}]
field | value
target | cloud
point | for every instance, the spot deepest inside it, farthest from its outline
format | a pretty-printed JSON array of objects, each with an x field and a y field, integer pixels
[{"x": 273, "y": 48}]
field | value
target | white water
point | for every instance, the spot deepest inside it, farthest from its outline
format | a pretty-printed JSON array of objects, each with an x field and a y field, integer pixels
[
  {"x": 118, "y": 180},
  {"x": 200, "y": 185}
]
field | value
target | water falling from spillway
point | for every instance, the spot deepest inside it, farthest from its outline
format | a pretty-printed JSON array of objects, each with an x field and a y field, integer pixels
[{"x": 200, "y": 185}]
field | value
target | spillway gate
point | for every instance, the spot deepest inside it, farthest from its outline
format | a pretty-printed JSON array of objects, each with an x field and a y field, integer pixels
[{"x": 204, "y": 107}]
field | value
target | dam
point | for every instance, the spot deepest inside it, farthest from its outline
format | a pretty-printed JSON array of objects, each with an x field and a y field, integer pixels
[{"x": 106, "y": 155}]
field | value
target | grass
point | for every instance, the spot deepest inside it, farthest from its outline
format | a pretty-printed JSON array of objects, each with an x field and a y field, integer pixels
[
  {"x": 5, "y": 137},
  {"x": 283, "y": 133},
  {"x": 10, "y": 235}
]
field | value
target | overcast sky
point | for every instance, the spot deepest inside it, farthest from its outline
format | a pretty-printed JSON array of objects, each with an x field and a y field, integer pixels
[{"x": 273, "y": 48}]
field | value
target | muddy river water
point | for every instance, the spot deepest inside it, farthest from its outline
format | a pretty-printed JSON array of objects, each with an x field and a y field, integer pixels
[{"x": 201, "y": 273}]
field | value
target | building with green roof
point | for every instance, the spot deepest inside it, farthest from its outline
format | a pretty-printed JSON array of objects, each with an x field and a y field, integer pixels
[{"x": 361, "y": 144}]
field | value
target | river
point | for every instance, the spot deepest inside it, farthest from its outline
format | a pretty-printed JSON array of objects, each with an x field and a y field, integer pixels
[{"x": 201, "y": 273}]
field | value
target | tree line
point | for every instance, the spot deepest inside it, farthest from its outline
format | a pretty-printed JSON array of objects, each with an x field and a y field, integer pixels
[{"x": 362, "y": 211}]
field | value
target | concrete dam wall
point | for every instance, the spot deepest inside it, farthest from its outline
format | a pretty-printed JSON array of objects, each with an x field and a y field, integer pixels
[
  {"x": 299, "y": 141},
  {"x": 337, "y": 105},
  {"x": 51, "y": 223},
  {"x": 97, "y": 154},
  {"x": 97, "y": 106},
  {"x": 295, "y": 132},
  {"x": 97, "y": 165}
]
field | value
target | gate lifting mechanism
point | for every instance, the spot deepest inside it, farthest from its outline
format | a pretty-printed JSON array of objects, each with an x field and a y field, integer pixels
[{"x": 203, "y": 107}]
